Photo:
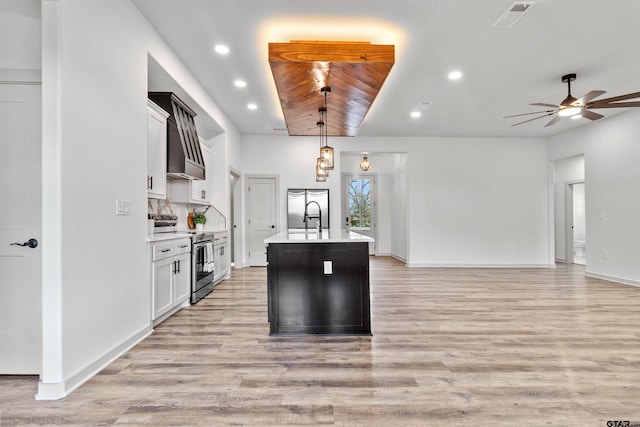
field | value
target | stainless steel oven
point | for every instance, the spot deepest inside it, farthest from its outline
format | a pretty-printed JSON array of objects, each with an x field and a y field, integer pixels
[{"x": 203, "y": 268}]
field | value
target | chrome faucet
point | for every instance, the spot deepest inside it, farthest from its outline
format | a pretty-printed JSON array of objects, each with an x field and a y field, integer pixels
[{"x": 307, "y": 217}]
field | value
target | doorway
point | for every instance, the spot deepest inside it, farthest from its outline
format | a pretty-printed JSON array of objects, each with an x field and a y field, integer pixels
[
  {"x": 576, "y": 221},
  {"x": 235, "y": 217},
  {"x": 20, "y": 229},
  {"x": 359, "y": 206},
  {"x": 262, "y": 214}
]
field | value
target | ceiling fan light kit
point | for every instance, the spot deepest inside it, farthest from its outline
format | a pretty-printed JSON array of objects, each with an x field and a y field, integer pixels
[
  {"x": 569, "y": 111},
  {"x": 581, "y": 107}
]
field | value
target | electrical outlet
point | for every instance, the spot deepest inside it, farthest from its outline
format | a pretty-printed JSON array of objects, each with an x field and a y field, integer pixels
[
  {"x": 605, "y": 255},
  {"x": 328, "y": 267},
  {"x": 123, "y": 207}
]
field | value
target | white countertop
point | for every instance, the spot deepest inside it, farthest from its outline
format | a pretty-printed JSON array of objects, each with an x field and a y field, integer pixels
[
  {"x": 159, "y": 237},
  {"x": 334, "y": 235}
]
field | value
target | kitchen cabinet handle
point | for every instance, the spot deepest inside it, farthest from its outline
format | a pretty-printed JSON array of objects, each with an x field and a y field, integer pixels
[
  {"x": 166, "y": 250},
  {"x": 178, "y": 268}
]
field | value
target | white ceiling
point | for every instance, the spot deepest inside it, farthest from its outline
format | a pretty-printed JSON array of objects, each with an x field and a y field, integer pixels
[{"x": 504, "y": 69}]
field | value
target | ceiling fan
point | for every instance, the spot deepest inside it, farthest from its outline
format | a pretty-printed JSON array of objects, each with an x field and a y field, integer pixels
[{"x": 580, "y": 107}]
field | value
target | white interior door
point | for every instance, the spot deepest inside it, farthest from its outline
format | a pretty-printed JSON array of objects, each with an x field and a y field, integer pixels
[
  {"x": 359, "y": 206},
  {"x": 261, "y": 196},
  {"x": 20, "y": 221}
]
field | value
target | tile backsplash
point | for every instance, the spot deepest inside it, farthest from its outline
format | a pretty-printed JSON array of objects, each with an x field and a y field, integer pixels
[{"x": 215, "y": 220}]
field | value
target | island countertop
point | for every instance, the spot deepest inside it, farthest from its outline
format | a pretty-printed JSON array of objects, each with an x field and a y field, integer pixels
[{"x": 334, "y": 235}]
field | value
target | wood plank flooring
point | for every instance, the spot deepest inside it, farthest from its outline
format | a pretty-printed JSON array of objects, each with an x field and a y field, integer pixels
[{"x": 450, "y": 347}]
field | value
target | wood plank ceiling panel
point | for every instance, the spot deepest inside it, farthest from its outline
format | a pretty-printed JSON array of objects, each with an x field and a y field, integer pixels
[{"x": 355, "y": 72}]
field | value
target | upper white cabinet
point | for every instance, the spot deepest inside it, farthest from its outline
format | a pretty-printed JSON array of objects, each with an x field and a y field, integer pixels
[
  {"x": 156, "y": 151},
  {"x": 197, "y": 191}
]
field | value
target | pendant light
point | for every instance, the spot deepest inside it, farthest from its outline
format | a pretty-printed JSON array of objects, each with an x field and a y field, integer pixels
[
  {"x": 364, "y": 164},
  {"x": 321, "y": 163},
  {"x": 325, "y": 150}
]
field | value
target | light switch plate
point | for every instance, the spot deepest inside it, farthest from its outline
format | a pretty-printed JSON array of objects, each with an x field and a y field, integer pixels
[
  {"x": 328, "y": 267},
  {"x": 123, "y": 207}
]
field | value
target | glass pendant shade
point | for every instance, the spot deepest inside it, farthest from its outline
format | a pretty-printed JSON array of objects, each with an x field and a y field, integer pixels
[
  {"x": 321, "y": 165},
  {"x": 326, "y": 153},
  {"x": 321, "y": 172},
  {"x": 320, "y": 178},
  {"x": 364, "y": 164}
]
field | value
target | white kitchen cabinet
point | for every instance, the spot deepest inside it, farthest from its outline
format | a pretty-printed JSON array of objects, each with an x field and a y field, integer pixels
[
  {"x": 162, "y": 287},
  {"x": 156, "y": 151},
  {"x": 197, "y": 191},
  {"x": 182, "y": 279},
  {"x": 170, "y": 277},
  {"x": 220, "y": 255}
]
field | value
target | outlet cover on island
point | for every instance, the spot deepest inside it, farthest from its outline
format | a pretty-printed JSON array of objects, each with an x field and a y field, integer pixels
[{"x": 328, "y": 267}]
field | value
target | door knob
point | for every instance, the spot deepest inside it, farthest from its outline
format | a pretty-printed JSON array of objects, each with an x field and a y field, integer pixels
[
  {"x": 273, "y": 226},
  {"x": 32, "y": 243}
]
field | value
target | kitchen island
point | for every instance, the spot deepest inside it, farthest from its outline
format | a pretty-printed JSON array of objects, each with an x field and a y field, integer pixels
[{"x": 318, "y": 283}]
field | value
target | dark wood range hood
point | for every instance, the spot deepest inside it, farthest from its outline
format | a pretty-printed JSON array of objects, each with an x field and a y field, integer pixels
[{"x": 184, "y": 157}]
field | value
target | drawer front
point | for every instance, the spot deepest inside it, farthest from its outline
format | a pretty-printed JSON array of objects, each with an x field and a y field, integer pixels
[
  {"x": 182, "y": 246},
  {"x": 162, "y": 250},
  {"x": 221, "y": 237}
]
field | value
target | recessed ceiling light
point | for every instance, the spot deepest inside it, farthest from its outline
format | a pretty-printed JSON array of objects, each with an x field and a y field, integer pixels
[
  {"x": 240, "y": 83},
  {"x": 455, "y": 75},
  {"x": 416, "y": 114},
  {"x": 252, "y": 106},
  {"x": 221, "y": 49}
]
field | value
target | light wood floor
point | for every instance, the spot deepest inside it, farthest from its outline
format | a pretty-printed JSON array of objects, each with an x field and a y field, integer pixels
[{"x": 450, "y": 347}]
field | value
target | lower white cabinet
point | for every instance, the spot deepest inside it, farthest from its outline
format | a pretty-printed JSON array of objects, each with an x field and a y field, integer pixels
[
  {"x": 220, "y": 255},
  {"x": 170, "y": 277}
]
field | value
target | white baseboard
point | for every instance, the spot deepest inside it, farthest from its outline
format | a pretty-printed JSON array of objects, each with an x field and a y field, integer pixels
[
  {"x": 430, "y": 265},
  {"x": 399, "y": 258},
  {"x": 612, "y": 278},
  {"x": 59, "y": 390}
]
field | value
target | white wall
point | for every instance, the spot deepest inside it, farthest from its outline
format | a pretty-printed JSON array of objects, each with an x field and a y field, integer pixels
[
  {"x": 471, "y": 201},
  {"x": 97, "y": 297},
  {"x": 612, "y": 178},
  {"x": 478, "y": 202},
  {"x": 399, "y": 212},
  {"x": 566, "y": 170}
]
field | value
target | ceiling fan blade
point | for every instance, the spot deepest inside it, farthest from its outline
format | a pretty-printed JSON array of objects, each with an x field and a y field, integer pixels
[
  {"x": 535, "y": 118},
  {"x": 526, "y": 114},
  {"x": 553, "y": 121},
  {"x": 598, "y": 104},
  {"x": 589, "y": 96},
  {"x": 620, "y": 97},
  {"x": 542, "y": 104},
  {"x": 591, "y": 115}
]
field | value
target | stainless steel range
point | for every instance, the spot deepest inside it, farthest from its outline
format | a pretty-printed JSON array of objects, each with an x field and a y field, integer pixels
[{"x": 203, "y": 269}]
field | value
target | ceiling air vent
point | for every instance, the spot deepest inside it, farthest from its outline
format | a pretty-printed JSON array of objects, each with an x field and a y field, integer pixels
[
  {"x": 422, "y": 105},
  {"x": 513, "y": 14}
]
